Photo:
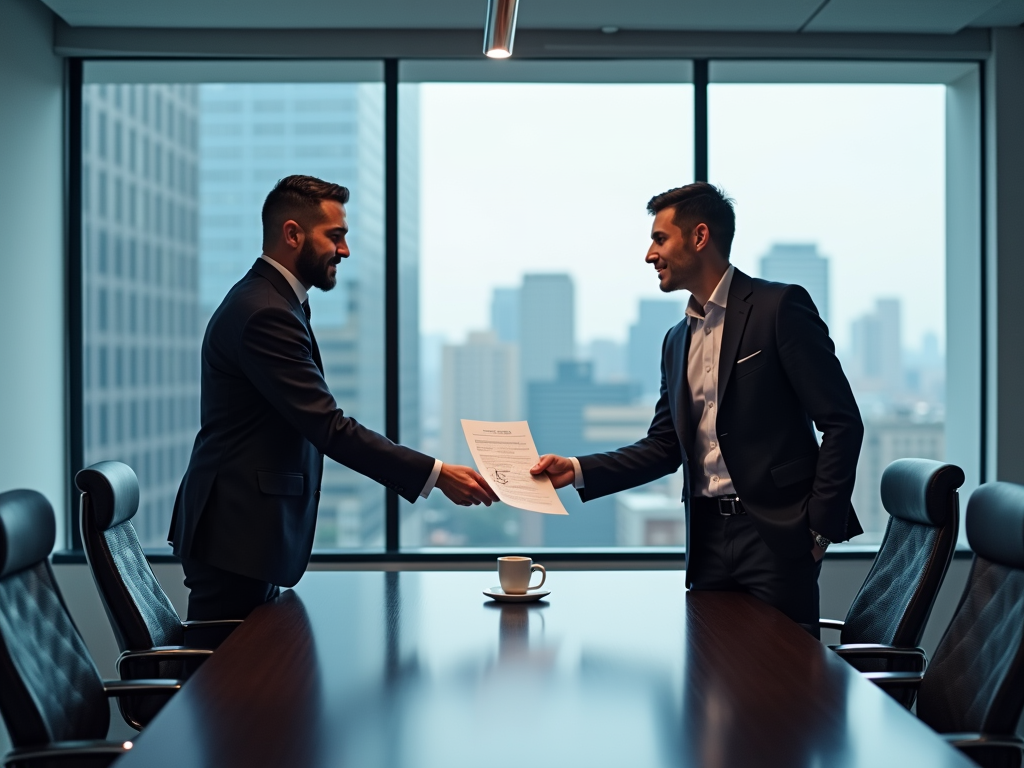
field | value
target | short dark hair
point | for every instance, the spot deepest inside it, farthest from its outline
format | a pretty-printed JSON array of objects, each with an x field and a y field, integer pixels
[
  {"x": 297, "y": 198},
  {"x": 698, "y": 203}
]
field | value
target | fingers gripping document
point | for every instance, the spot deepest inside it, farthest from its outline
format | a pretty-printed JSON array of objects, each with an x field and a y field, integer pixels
[{"x": 504, "y": 452}]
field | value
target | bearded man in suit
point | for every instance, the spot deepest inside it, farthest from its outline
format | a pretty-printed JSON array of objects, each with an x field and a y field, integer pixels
[
  {"x": 245, "y": 513},
  {"x": 745, "y": 379}
]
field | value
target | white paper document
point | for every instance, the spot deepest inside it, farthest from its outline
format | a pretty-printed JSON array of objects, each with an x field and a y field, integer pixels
[{"x": 504, "y": 452}]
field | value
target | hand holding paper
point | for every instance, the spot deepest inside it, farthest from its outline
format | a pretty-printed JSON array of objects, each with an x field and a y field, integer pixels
[
  {"x": 558, "y": 468},
  {"x": 504, "y": 453}
]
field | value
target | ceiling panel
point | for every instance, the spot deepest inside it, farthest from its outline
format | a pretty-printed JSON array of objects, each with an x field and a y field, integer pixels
[
  {"x": 913, "y": 16},
  {"x": 1008, "y": 13},
  {"x": 725, "y": 15},
  {"x": 928, "y": 16}
]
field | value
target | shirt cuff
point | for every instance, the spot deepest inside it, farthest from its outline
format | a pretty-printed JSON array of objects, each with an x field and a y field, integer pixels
[
  {"x": 432, "y": 480},
  {"x": 577, "y": 472}
]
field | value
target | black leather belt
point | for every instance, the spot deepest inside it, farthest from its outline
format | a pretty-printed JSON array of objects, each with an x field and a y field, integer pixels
[{"x": 727, "y": 506}]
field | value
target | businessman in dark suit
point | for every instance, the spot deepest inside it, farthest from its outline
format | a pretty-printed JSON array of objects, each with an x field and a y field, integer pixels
[
  {"x": 745, "y": 378},
  {"x": 245, "y": 513}
]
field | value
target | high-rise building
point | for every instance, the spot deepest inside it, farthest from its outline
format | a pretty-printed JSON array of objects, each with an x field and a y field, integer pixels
[
  {"x": 877, "y": 353},
  {"x": 803, "y": 265},
  {"x": 558, "y": 415},
  {"x": 887, "y": 438},
  {"x": 140, "y": 287},
  {"x": 252, "y": 135},
  {"x": 479, "y": 381},
  {"x": 547, "y": 330},
  {"x": 609, "y": 359},
  {"x": 654, "y": 319},
  {"x": 505, "y": 314}
]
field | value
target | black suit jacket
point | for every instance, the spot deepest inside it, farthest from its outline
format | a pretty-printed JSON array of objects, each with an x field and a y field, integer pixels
[
  {"x": 768, "y": 406},
  {"x": 248, "y": 501}
]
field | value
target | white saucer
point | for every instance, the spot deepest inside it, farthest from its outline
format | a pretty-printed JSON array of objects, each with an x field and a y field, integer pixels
[{"x": 497, "y": 593}]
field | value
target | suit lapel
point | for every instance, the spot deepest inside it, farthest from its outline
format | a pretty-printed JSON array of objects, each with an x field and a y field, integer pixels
[
  {"x": 278, "y": 281},
  {"x": 316, "y": 349},
  {"x": 683, "y": 394},
  {"x": 737, "y": 312}
]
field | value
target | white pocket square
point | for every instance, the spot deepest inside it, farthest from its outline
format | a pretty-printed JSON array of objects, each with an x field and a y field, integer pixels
[{"x": 748, "y": 357}]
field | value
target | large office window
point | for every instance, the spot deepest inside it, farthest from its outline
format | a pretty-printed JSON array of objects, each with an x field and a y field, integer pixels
[
  {"x": 176, "y": 161},
  {"x": 839, "y": 178},
  {"x": 518, "y": 265},
  {"x": 533, "y": 299}
]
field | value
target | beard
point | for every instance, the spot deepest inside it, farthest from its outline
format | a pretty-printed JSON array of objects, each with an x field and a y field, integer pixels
[{"x": 314, "y": 268}]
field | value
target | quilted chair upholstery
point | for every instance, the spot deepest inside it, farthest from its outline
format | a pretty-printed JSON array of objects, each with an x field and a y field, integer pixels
[
  {"x": 140, "y": 613},
  {"x": 897, "y": 596},
  {"x": 148, "y": 630},
  {"x": 52, "y": 699},
  {"x": 975, "y": 682},
  {"x": 49, "y": 687}
]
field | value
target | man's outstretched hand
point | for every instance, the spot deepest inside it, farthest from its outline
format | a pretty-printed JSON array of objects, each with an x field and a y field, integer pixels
[
  {"x": 558, "y": 468},
  {"x": 464, "y": 486}
]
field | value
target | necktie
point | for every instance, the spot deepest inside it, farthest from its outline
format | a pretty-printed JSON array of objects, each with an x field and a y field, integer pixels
[{"x": 312, "y": 338}]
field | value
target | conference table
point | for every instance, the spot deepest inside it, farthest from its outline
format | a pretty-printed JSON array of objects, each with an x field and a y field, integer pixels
[{"x": 613, "y": 668}]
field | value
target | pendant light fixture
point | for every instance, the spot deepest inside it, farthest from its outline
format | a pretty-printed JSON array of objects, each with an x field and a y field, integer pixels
[{"x": 500, "y": 28}]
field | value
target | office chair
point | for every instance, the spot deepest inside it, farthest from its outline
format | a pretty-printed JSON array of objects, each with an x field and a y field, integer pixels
[
  {"x": 973, "y": 690},
  {"x": 51, "y": 697},
  {"x": 154, "y": 641},
  {"x": 889, "y": 613}
]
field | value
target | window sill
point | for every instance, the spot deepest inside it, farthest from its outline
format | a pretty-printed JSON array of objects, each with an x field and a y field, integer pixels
[{"x": 660, "y": 558}]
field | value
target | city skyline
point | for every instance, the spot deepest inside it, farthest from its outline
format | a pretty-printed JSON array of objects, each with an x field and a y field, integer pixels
[{"x": 171, "y": 197}]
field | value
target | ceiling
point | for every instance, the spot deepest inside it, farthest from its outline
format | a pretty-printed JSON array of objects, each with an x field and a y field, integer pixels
[{"x": 903, "y": 16}]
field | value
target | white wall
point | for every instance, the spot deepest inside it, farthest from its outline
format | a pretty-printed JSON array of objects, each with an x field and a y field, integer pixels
[
  {"x": 32, "y": 290},
  {"x": 1004, "y": 162}
]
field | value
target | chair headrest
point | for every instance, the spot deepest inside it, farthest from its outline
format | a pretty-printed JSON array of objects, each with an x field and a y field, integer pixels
[
  {"x": 917, "y": 489},
  {"x": 27, "y": 530},
  {"x": 113, "y": 492},
  {"x": 995, "y": 523}
]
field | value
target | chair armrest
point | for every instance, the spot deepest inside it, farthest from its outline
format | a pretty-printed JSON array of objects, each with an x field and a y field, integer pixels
[
  {"x": 831, "y": 624},
  {"x": 969, "y": 741},
  {"x": 161, "y": 653},
  {"x": 880, "y": 651},
  {"x": 144, "y": 687},
  {"x": 92, "y": 753},
  {"x": 208, "y": 634},
  {"x": 894, "y": 680},
  {"x": 211, "y": 624}
]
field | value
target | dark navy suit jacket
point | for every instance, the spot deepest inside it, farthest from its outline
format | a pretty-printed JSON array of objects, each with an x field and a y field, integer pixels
[
  {"x": 248, "y": 501},
  {"x": 768, "y": 406}
]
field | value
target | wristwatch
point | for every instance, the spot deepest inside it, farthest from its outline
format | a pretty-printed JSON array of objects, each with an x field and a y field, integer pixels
[{"x": 820, "y": 540}]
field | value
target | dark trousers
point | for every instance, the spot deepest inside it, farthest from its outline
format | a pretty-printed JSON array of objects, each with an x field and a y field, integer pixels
[
  {"x": 728, "y": 554},
  {"x": 218, "y": 594}
]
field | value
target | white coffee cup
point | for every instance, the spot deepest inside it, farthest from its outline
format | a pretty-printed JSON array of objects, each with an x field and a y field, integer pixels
[{"x": 514, "y": 573}]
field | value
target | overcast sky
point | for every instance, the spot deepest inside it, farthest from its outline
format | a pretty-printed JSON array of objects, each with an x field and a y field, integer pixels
[{"x": 555, "y": 178}]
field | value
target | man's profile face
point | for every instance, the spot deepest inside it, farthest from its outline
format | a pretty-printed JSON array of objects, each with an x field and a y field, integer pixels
[
  {"x": 324, "y": 247},
  {"x": 671, "y": 253}
]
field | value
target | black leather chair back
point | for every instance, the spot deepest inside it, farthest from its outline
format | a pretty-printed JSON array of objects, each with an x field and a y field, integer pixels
[
  {"x": 49, "y": 688},
  {"x": 896, "y": 599},
  {"x": 140, "y": 613},
  {"x": 975, "y": 682}
]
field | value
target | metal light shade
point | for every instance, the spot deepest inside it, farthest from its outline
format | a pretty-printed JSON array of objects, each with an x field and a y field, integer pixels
[{"x": 500, "y": 28}]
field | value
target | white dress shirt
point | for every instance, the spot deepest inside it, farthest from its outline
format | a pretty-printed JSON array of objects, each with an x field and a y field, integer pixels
[
  {"x": 706, "y": 326},
  {"x": 303, "y": 296}
]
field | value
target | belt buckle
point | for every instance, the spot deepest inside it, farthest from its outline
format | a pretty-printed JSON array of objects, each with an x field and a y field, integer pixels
[{"x": 728, "y": 507}]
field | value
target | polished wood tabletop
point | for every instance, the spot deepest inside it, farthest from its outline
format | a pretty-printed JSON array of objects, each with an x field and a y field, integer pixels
[{"x": 614, "y": 668}]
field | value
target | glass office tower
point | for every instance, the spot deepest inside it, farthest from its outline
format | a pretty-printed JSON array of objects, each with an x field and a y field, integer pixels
[
  {"x": 140, "y": 201},
  {"x": 174, "y": 178}
]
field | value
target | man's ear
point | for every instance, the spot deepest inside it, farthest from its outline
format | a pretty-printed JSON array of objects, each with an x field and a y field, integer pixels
[
  {"x": 292, "y": 234},
  {"x": 701, "y": 236}
]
